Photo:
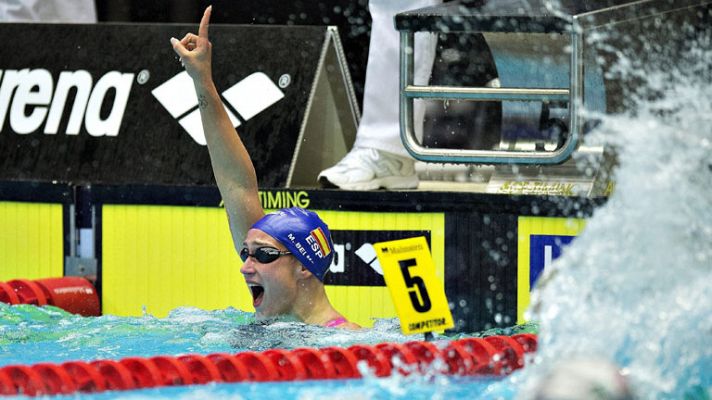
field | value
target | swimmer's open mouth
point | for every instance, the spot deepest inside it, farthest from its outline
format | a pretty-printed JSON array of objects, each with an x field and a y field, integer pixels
[{"x": 257, "y": 294}]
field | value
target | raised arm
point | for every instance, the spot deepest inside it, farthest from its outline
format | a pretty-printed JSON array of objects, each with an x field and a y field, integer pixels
[{"x": 232, "y": 166}]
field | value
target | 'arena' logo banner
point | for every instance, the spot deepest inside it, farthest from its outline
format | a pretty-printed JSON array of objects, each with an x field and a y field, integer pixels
[
  {"x": 111, "y": 104},
  {"x": 25, "y": 89}
]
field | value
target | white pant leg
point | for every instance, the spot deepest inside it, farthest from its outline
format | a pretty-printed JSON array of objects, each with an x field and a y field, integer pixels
[
  {"x": 64, "y": 11},
  {"x": 380, "y": 127}
]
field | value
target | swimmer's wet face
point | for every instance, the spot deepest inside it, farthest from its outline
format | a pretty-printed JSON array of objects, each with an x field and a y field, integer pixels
[{"x": 273, "y": 284}]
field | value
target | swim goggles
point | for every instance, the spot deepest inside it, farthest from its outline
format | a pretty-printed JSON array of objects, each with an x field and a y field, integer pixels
[{"x": 264, "y": 255}]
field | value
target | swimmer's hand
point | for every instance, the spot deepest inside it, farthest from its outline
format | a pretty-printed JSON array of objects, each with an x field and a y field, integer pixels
[{"x": 195, "y": 51}]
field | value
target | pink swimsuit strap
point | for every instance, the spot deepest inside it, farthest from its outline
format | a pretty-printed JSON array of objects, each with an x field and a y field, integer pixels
[{"x": 336, "y": 322}]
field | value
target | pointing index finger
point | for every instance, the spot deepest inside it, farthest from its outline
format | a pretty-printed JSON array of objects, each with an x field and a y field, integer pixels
[{"x": 204, "y": 22}]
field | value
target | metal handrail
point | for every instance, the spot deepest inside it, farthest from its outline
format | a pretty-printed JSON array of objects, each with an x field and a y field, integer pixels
[
  {"x": 485, "y": 93},
  {"x": 409, "y": 92}
]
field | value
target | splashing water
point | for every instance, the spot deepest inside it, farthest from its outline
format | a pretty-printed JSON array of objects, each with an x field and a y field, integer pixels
[{"x": 636, "y": 287}]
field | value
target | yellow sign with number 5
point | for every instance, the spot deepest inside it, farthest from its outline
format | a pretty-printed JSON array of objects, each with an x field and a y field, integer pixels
[{"x": 418, "y": 295}]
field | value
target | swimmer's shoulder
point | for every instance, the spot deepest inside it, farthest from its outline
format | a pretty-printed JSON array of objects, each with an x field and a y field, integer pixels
[
  {"x": 341, "y": 322},
  {"x": 349, "y": 325}
]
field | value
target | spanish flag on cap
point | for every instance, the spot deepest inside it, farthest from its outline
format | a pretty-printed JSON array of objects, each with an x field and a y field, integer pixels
[{"x": 320, "y": 238}]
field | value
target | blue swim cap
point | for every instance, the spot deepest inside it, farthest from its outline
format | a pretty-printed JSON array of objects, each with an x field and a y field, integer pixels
[{"x": 304, "y": 234}]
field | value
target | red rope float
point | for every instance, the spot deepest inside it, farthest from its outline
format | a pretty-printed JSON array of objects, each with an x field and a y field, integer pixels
[
  {"x": 493, "y": 355},
  {"x": 72, "y": 294}
]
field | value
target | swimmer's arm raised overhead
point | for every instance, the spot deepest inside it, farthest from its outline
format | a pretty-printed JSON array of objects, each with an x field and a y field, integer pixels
[{"x": 232, "y": 166}]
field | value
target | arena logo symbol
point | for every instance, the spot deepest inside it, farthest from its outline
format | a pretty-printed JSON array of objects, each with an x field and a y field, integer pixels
[
  {"x": 28, "y": 95},
  {"x": 366, "y": 252},
  {"x": 249, "y": 97}
]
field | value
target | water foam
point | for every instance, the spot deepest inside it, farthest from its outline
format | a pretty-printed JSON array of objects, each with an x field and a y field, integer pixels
[{"x": 636, "y": 286}]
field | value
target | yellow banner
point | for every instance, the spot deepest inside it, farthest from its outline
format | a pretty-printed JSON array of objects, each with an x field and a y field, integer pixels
[
  {"x": 418, "y": 295},
  {"x": 31, "y": 240}
]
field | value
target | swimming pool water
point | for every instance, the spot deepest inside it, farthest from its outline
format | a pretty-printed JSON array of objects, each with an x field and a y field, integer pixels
[{"x": 30, "y": 335}]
